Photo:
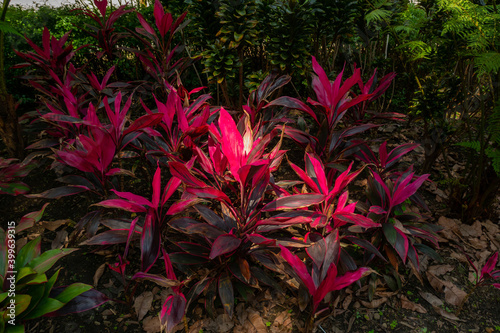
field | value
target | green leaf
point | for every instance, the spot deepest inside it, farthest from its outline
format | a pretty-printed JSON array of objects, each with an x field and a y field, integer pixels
[
  {"x": 28, "y": 253},
  {"x": 14, "y": 329},
  {"x": 24, "y": 273},
  {"x": 3, "y": 296},
  {"x": 47, "y": 259},
  {"x": 72, "y": 291},
  {"x": 40, "y": 278},
  {"x": 5, "y": 27},
  {"x": 378, "y": 15},
  {"x": 22, "y": 303},
  {"x": 390, "y": 233},
  {"x": 45, "y": 306},
  {"x": 50, "y": 284},
  {"x": 238, "y": 37}
]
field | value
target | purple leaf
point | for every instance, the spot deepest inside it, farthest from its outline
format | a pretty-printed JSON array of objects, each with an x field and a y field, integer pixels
[
  {"x": 173, "y": 311},
  {"x": 122, "y": 204},
  {"x": 83, "y": 302},
  {"x": 158, "y": 279},
  {"x": 150, "y": 243},
  {"x": 226, "y": 293},
  {"x": 294, "y": 202},
  {"x": 110, "y": 237},
  {"x": 133, "y": 198},
  {"x": 224, "y": 244},
  {"x": 148, "y": 120},
  {"x": 58, "y": 192}
]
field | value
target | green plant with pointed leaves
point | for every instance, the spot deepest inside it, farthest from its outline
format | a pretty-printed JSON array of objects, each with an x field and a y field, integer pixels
[
  {"x": 290, "y": 36},
  {"x": 238, "y": 32},
  {"x": 27, "y": 293}
]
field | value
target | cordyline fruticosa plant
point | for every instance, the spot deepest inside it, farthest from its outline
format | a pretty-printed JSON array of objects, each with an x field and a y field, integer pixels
[
  {"x": 487, "y": 277},
  {"x": 334, "y": 101}
]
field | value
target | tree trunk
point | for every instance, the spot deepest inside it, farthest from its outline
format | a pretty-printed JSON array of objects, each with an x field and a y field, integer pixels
[{"x": 10, "y": 132}]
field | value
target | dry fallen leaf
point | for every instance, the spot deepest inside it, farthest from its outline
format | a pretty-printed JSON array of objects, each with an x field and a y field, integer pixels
[
  {"x": 347, "y": 301},
  {"x": 436, "y": 283},
  {"x": 60, "y": 240},
  {"x": 409, "y": 305},
  {"x": 142, "y": 304},
  {"x": 433, "y": 300},
  {"x": 98, "y": 274},
  {"x": 375, "y": 303},
  {"x": 224, "y": 323},
  {"x": 438, "y": 270},
  {"x": 282, "y": 323},
  {"x": 454, "y": 295},
  {"x": 473, "y": 230},
  {"x": 446, "y": 314},
  {"x": 151, "y": 324},
  {"x": 449, "y": 227},
  {"x": 53, "y": 225},
  {"x": 257, "y": 321}
]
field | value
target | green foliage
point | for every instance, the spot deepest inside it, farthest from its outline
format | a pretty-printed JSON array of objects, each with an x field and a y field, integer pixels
[
  {"x": 290, "y": 30},
  {"x": 379, "y": 11},
  {"x": 477, "y": 25},
  {"x": 30, "y": 290}
]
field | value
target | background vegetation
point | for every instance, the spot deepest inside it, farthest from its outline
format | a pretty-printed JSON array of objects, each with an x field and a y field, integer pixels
[{"x": 80, "y": 75}]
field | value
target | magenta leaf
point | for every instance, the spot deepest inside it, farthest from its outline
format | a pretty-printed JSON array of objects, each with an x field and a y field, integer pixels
[
  {"x": 150, "y": 243},
  {"x": 148, "y": 120},
  {"x": 110, "y": 237},
  {"x": 133, "y": 198},
  {"x": 489, "y": 265},
  {"x": 173, "y": 311},
  {"x": 300, "y": 268},
  {"x": 122, "y": 204}
]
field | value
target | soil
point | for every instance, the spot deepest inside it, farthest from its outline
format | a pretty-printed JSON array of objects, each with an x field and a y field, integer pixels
[{"x": 426, "y": 302}]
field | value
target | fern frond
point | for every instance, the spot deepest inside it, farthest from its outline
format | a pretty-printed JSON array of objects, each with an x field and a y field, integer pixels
[
  {"x": 5, "y": 27},
  {"x": 417, "y": 49},
  {"x": 494, "y": 155},
  {"x": 488, "y": 62},
  {"x": 476, "y": 145},
  {"x": 378, "y": 15},
  {"x": 494, "y": 123}
]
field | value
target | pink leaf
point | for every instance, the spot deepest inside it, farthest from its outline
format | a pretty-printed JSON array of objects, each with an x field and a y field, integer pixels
[
  {"x": 232, "y": 141},
  {"x": 134, "y": 198},
  {"x": 155, "y": 201},
  {"x": 172, "y": 311},
  {"x": 101, "y": 5},
  {"x": 316, "y": 171},
  {"x": 294, "y": 202},
  {"x": 145, "y": 24},
  {"x": 122, "y": 204},
  {"x": 490, "y": 265},
  {"x": 300, "y": 268}
]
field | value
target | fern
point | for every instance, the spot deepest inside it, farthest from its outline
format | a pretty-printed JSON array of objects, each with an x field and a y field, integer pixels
[
  {"x": 475, "y": 145},
  {"x": 494, "y": 124},
  {"x": 494, "y": 155},
  {"x": 417, "y": 49},
  {"x": 488, "y": 62},
  {"x": 5, "y": 27},
  {"x": 379, "y": 14}
]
